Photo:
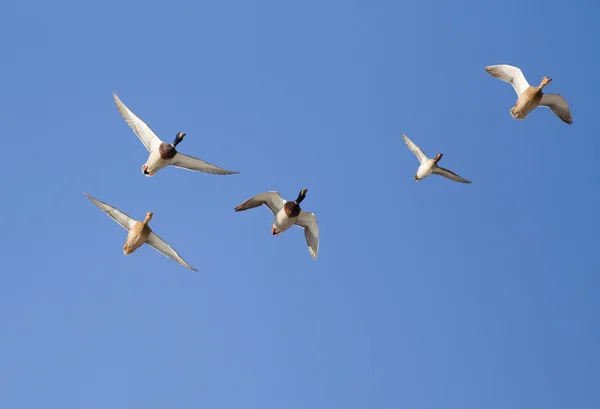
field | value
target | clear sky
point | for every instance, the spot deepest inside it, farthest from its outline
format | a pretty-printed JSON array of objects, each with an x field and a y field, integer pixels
[{"x": 425, "y": 295}]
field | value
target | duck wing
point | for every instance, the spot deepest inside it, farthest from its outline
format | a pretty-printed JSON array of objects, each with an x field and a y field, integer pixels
[
  {"x": 311, "y": 231},
  {"x": 510, "y": 74},
  {"x": 190, "y": 163},
  {"x": 118, "y": 216},
  {"x": 163, "y": 247},
  {"x": 140, "y": 128},
  {"x": 414, "y": 149},
  {"x": 272, "y": 200},
  {"x": 449, "y": 174},
  {"x": 558, "y": 104}
]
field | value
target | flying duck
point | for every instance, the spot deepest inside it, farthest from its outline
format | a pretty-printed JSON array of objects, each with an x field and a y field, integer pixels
[
  {"x": 139, "y": 233},
  {"x": 286, "y": 215},
  {"x": 529, "y": 97},
  {"x": 429, "y": 166},
  {"x": 162, "y": 153}
]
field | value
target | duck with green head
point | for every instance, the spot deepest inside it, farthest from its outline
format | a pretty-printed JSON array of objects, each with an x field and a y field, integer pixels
[
  {"x": 287, "y": 214},
  {"x": 163, "y": 154}
]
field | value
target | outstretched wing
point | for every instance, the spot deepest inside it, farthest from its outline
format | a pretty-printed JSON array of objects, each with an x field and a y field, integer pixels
[
  {"x": 163, "y": 247},
  {"x": 143, "y": 131},
  {"x": 190, "y": 163},
  {"x": 270, "y": 199},
  {"x": 449, "y": 174},
  {"x": 558, "y": 104},
  {"x": 118, "y": 216},
  {"x": 414, "y": 149},
  {"x": 510, "y": 74},
  {"x": 311, "y": 231}
]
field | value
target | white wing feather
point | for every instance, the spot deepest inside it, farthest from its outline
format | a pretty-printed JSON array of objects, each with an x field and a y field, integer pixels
[
  {"x": 118, "y": 216},
  {"x": 272, "y": 200},
  {"x": 140, "y": 128},
  {"x": 190, "y": 163},
  {"x": 311, "y": 231},
  {"x": 163, "y": 247},
  {"x": 510, "y": 74},
  {"x": 414, "y": 149}
]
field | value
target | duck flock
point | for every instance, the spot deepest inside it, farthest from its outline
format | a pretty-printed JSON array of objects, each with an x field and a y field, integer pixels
[{"x": 287, "y": 214}]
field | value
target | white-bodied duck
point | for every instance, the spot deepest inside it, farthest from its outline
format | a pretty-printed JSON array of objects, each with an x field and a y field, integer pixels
[
  {"x": 529, "y": 97},
  {"x": 286, "y": 215},
  {"x": 430, "y": 166},
  {"x": 139, "y": 233},
  {"x": 163, "y": 154}
]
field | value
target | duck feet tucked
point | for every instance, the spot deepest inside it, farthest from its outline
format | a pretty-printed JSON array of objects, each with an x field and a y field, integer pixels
[{"x": 275, "y": 232}]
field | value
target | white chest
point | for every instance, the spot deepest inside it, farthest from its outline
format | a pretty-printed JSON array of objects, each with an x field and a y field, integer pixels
[
  {"x": 282, "y": 221},
  {"x": 425, "y": 169},
  {"x": 155, "y": 162}
]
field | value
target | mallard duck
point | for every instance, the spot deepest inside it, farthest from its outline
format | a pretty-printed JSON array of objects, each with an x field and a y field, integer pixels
[
  {"x": 429, "y": 166},
  {"x": 139, "y": 233},
  {"x": 529, "y": 97},
  {"x": 163, "y": 154},
  {"x": 286, "y": 215}
]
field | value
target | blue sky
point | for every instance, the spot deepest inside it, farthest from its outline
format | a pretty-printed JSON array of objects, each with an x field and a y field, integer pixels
[{"x": 425, "y": 295}]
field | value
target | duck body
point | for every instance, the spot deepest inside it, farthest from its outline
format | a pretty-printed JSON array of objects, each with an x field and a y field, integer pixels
[
  {"x": 425, "y": 169},
  {"x": 159, "y": 158},
  {"x": 136, "y": 237},
  {"x": 285, "y": 218},
  {"x": 526, "y": 102},
  {"x": 154, "y": 163}
]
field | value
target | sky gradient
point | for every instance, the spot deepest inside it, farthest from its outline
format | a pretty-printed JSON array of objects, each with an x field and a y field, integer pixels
[{"x": 425, "y": 295}]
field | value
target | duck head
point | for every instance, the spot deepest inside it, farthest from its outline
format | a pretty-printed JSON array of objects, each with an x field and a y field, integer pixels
[
  {"x": 148, "y": 217},
  {"x": 301, "y": 196},
  {"x": 437, "y": 157},
  {"x": 545, "y": 81},
  {"x": 178, "y": 138}
]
